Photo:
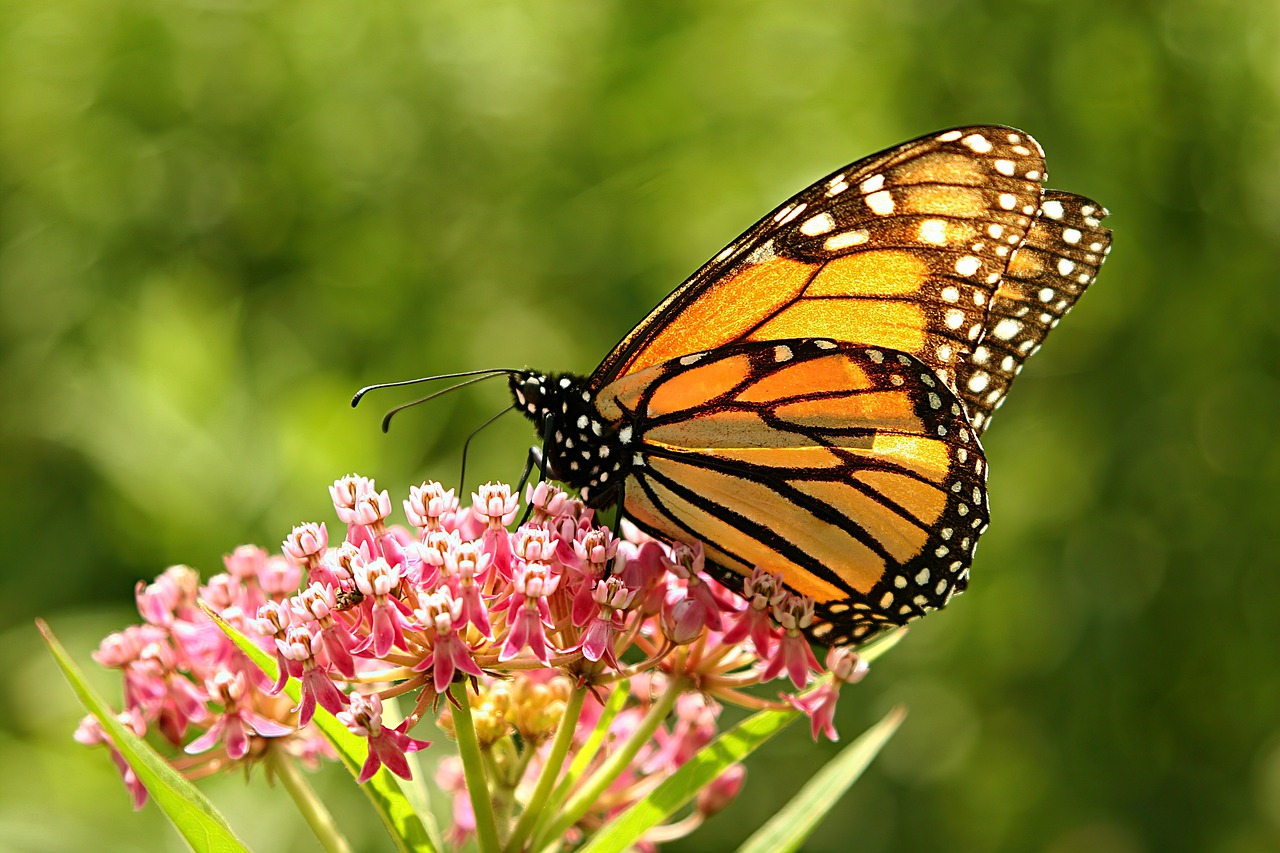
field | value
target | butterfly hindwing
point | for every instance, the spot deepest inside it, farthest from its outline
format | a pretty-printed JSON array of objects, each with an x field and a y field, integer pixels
[
  {"x": 903, "y": 249},
  {"x": 1059, "y": 259},
  {"x": 849, "y": 469}
]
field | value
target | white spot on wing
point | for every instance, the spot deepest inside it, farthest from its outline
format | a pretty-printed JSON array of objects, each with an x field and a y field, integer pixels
[
  {"x": 846, "y": 240},
  {"x": 881, "y": 203},
  {"x": 815, "y": 225}
]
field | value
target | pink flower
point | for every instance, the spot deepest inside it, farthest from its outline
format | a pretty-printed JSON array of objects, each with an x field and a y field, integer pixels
[
  {"x": 762, "y": 591},
  {"x": 450, "y": 653},
  {"x": 465, "y": 570},
  {"x": 431, "y": 507},
  {"x": 307, "y": 542},
  {"x": 387, "y": 747},
  {"x": 819, "y": 705},
  {"x": 794, "y": 613},
  {"x": 601, "y": 630},
  {"x": 717, "y": 796},
  {"x": 546, "y": 500},
  {"x": 316, "y": 684},
  {"x": 376, "y": 579},
  {"x": 316, "y": 603},
  {"x": 235, "y": 723},
  {"x": 91, "y": 733},
  {"x": 533, "y": 583}
]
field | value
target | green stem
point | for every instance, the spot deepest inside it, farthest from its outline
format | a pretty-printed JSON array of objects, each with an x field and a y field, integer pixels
[
  {"x": 533, "y": 810},
  {"x": 473, "y": 769},
  {"x": 613, "y": 766},
  {"x": 304, "y": 797}
]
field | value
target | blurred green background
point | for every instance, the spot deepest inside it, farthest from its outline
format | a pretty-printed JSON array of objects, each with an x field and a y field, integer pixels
[{"x": 220, "y": 218}]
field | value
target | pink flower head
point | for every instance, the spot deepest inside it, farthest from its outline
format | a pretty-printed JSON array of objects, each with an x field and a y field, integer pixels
[
  {"x": 794, "y": 613},
  {"x": 306, "y": 543},
  {"x": 431, "y": 507},
  {"x": 387, "y": 747},
  {"x": 534, "y": 544},
  {"x": 347, "y": 493}
]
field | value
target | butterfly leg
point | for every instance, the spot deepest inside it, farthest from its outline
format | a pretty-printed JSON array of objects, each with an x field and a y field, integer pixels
[{"x": 537, "y": 457}]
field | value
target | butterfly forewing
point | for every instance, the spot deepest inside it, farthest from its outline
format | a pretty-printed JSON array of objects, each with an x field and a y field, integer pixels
[
  {"x": 1059, "y": 259},
  {"x": 903, "y": 250},
  {"x": 851, "y": 470}
]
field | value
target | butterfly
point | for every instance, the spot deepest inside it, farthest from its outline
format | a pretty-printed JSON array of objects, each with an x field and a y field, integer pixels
[{"x": 811, "y": 400}]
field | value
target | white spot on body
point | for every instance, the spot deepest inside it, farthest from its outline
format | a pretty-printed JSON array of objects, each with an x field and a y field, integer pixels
[
  {"x": 949, "y": 136},
  {"x": 1052, "y": 209},
  {"x": 782, "y": 353},
  {"x": 977, "y": 143},
  {"x": 1066, "y": 267},
  {"x": 1005, "y": 167},
  {"x": 954, "y": 318},
  {"x": 1071, "y": 235},
  {"x": 1007, "y": 201},
  {"x": 979, "y": 381},
  {"x": 950, "y": 294},
  {"x": 872, "y": 184},
  {"x": 624, "y": 435},
  {"x": 968, "y": 265},
  {"x": 687, "y": 360}
]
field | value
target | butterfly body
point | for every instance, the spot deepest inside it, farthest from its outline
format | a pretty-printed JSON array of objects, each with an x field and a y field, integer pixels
[{"x": 811, "y": 399}]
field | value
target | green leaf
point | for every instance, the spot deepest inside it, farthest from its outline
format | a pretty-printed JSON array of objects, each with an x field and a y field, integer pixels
[
  {"x": 383, "y": 790},
  {"x": 185, "y": 805},
  {"x": 682, "y": 786},
  {"x": 789, "y": 828}
]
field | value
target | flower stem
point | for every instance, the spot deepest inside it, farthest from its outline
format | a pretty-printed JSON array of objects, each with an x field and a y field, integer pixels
[
  {"x": 533, "y": 809},
  {"x": 473, "y": 770},
  {"x": 304, "y": 797},
  {"x": 613, "y": 766}
]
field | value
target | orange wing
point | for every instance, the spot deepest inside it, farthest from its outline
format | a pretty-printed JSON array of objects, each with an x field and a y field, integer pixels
[
  {"x": 850, "y": 470},
  {"x": 1060, "y": 258},
  {"x": 903, "y": 250}
]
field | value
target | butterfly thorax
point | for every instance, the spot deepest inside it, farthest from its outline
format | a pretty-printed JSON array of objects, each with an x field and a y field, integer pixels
[{"x": 579, "y": 448}]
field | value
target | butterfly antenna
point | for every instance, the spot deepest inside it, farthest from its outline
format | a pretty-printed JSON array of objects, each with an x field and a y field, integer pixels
[
  {"x": 462, "y": 477},
  {"x": 386, "y": 419},
  {"x": 493, "y": 371}
]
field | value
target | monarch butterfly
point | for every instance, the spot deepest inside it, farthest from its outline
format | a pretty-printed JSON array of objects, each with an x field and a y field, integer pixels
[{"x": 811, "y": 399}]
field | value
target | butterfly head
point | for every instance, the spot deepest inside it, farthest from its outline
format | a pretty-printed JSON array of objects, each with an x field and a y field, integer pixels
[{"x": 579, "y": 447}]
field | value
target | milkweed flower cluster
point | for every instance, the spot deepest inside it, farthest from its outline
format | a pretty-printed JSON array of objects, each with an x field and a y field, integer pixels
[{"x": 535, "y": 628}]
